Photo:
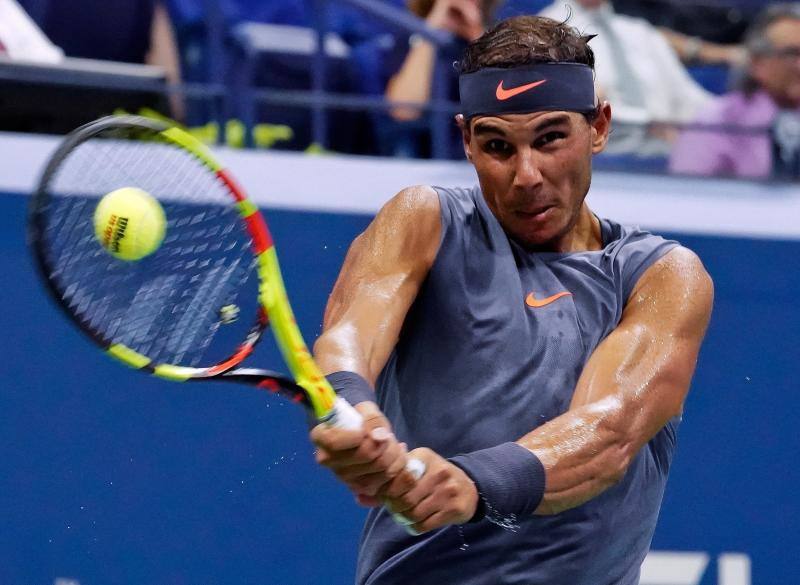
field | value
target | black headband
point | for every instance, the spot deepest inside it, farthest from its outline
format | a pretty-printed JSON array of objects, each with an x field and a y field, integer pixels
[{"x": 532, "y": 88}]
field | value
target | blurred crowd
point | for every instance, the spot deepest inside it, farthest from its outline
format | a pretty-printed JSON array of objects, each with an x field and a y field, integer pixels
[{"x": 708, "y": 88}]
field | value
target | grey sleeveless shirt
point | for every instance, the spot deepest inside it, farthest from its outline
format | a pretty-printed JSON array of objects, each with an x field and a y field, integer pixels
[{"x": 476, "y": 366}]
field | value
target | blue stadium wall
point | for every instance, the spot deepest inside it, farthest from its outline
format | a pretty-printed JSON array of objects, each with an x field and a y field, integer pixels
[{"x": 110, "y": 477}]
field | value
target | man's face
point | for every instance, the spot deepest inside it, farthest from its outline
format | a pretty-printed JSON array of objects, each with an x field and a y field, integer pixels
[
  {"x": 778, "y": 71},
  {"x": 534, "y": 170}
]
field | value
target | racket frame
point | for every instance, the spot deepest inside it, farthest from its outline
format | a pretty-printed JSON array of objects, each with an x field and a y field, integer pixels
[{"x": 306, "y": 386}]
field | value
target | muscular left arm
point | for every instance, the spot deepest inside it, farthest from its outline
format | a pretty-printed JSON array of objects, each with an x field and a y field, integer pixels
[{"x": 634, "y": 382}]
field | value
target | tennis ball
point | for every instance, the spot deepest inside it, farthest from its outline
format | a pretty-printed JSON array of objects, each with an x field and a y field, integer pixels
[{"x": 129, "y": 223}]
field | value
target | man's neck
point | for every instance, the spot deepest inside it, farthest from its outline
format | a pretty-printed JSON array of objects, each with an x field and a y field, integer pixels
[{"x": 585, "y": 235}]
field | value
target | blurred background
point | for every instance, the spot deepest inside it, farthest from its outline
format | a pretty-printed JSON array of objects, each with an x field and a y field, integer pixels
[{"x": 324, "y": 109}]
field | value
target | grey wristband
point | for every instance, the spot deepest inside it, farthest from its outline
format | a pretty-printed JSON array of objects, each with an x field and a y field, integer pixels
[
  {"x": 352, "y": 387},
  {"x": 509, "y": 478}
]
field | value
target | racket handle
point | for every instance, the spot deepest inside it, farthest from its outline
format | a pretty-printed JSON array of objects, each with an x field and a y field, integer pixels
[
  {"x": 416, "y": 468},
  {"x": 344, "y": 416}
]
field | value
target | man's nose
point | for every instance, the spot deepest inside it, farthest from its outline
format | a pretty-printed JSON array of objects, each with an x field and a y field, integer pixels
[{"x": 528, "y": 172}]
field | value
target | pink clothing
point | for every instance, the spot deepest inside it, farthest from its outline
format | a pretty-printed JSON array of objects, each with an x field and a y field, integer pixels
[{"x": 743, "y": 150}]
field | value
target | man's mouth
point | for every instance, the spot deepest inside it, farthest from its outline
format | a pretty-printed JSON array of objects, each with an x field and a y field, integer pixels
[{"x": 537, "y": 213}]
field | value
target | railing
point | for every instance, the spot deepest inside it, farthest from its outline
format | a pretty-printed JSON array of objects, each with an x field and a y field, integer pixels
[
  {"x": 320, "y": 101},
  {"x": 224, "y": 102}
]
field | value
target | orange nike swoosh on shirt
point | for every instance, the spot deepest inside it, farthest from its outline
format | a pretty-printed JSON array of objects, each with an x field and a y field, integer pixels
[
  {"x": 505, "y": 94},
  {"x": 532, "y": 301}
]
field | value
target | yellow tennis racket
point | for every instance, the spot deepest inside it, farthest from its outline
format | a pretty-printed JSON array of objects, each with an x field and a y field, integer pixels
[{"x": 175, "y": 274}]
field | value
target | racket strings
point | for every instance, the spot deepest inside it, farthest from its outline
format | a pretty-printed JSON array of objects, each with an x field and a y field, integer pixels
[{"x": 167, "y": 305}]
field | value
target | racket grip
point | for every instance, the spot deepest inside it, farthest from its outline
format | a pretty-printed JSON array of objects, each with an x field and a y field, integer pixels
[
  {"x": 344, "y": 416},
  {"x": 415, "y": 467}
]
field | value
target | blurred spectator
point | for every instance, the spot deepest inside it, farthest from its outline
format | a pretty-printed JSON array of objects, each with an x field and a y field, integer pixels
[
  {"x": 130, "y": 31},
  {"x": 412, "y": 83},
  {"x": 694, "y": 50},
  {"x": 760, "y": 134},
  {"x": 405, "y": 130},
  {"x": 638, "y": 72}
]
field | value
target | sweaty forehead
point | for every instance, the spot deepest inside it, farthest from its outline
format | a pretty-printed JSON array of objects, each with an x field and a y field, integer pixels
[{"x": 531, "y": 122}]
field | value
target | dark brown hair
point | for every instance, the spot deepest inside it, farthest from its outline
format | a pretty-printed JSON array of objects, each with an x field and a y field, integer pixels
[{"x": 526, "y": 40}]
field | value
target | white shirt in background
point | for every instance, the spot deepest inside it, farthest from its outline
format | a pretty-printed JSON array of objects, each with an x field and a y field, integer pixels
[
  {"x": 664, "y": 92},
  {"x": 21, "y": 39}
]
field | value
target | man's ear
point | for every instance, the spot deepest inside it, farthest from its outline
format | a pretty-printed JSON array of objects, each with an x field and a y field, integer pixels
[
  {"x": 601, "y": 126},
  {"x": 463, "y": 125}
]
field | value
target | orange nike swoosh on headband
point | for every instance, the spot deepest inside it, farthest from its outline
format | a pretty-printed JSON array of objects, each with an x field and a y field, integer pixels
[
  {"x": 532, "y": 301},
  {"x": 505, "y": 94}
]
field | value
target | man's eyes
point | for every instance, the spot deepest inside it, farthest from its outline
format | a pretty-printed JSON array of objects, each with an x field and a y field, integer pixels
[
  {"x": 501, "y": 147},
  {"x": 549, "y": 138},
  {"x": 496, "y": 146}
]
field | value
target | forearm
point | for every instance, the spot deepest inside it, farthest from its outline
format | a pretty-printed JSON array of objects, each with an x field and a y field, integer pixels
[
  {"x": 340, "y": 349},
  {"x": 697, "y": 50},
  {"x": 558, "y": 466},
  {"x": 584, "y": 452},
  {"x": 412, "y": 83}
]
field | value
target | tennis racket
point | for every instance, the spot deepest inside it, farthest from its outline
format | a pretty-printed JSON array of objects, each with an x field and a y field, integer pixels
[{"x": 195, "y": 308}]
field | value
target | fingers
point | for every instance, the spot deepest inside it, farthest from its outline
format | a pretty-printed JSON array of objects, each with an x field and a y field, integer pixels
[
  {"x": 338, "y": 447},
  {"x": 390, "y": 461},
  {"x": 333, "y": 439},
  {"x": 368, "y": 501},
  {"x": 365, "y": 459},
  {"x": 368, "y": 456},
  {"x": 373, "y": 417},
  {"x": 444, "y": 495}
]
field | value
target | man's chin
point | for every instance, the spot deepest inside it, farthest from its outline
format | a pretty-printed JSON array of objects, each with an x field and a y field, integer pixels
[{"x": 541, "y": 240}]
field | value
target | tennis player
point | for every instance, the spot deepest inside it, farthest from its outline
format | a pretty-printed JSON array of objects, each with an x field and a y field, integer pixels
[{"x": 533, "y": 355}]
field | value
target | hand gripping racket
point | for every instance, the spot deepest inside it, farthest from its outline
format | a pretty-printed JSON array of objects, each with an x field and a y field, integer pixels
[{"x": 193, "y": 309}]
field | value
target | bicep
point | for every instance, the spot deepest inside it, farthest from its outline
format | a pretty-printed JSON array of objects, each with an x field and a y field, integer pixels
[
  {"x": 648, "y": 361},
  {"x": 380, "y": 278}
]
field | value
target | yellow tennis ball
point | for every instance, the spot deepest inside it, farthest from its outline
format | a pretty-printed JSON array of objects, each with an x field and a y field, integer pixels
[{"x": 129, "y": 223}]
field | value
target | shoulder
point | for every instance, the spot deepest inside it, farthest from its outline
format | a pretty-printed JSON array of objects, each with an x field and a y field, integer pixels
[
  {"x": 632, "y": 251},
  {"x": 414, "y": 210},
  {"x": 416, "y": 201},
  {"x": 458, "y": 203},
  {"x": 408, "y": 225},
  {"x": 679, "y": 265},
  {"x": 629, "y": 242},
  {"x": 677, "y": 279}
]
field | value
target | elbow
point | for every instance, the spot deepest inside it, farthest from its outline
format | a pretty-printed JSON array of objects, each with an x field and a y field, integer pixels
[{"x": 406, "y": 113}]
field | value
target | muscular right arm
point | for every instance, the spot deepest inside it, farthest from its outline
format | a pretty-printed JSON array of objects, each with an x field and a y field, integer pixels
[{"x": 382, "y": 273}]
